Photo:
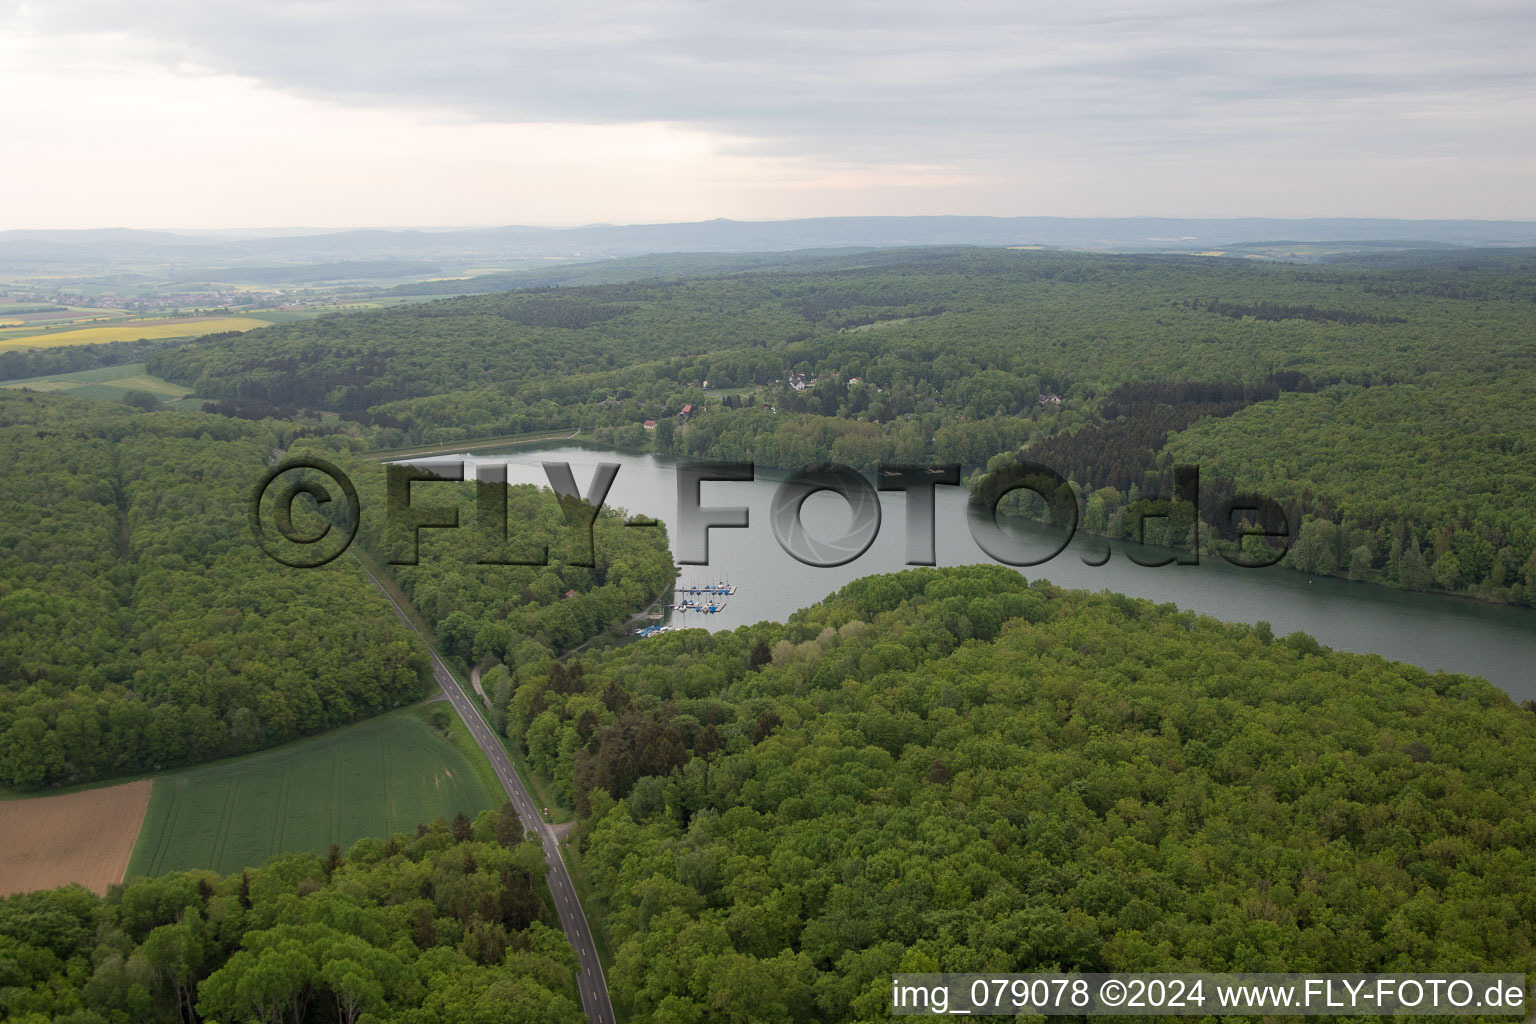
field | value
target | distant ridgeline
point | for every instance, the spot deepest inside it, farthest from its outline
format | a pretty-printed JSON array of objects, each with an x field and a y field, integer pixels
[
  {"x": 960, "y": 770},
  {"x": 142, "y": 628},
  {"x": 1390, "y": 409}
]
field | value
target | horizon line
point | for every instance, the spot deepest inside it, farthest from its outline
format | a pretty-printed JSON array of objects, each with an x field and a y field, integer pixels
[{"x": 279, "y": 230}]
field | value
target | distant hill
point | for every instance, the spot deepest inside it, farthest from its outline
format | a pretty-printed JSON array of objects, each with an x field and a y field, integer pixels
[
  {"x": 314, "y": 273},
  {"x": 1382, "y": 255},
  {"x": 597, "y": 241},
  {"x": 624, "y": 269}
]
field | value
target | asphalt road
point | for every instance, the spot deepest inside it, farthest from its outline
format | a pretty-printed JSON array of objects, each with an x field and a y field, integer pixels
[{"x": 590, "y": 982}]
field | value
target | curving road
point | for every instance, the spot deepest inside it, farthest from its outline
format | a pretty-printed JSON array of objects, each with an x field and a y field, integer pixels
[{"x": 590, "y": 982}]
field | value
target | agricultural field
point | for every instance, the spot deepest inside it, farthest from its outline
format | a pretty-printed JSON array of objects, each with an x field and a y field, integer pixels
[
  {"x": 376, "y": 778},
  {"x": 107, "y": 382},
  {"x": 83, "y": 837},
  {"x": 44, "y": 336},
  {"x": 46, "y": 314}
]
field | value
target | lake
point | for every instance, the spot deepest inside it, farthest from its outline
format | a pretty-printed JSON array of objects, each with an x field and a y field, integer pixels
[{"x": 1497, "y": 642}]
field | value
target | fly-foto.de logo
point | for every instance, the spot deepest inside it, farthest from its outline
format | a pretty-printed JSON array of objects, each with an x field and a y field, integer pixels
[{"x": 1252, "y": 518}]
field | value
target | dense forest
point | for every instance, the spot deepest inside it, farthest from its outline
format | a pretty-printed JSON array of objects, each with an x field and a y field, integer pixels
[
  {"x": 544, "y": 578},
  {"x": 1403, "y": 392},
  {"x": 142, "y": 629},
  {"x": 449, "y": 923},
  {"x": 937, "y": 770},
  {"x": 960, "y": 770},
  {"x": 22, "y": 363}
]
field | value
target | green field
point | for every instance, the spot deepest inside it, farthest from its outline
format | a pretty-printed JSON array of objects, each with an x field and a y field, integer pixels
[
  {"x": 108, "y": 382},
  {"x": 377, "y": 778}
]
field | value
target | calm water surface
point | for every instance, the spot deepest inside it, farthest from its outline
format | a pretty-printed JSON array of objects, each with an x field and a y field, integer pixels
[{"x": 1436, "y": 632}]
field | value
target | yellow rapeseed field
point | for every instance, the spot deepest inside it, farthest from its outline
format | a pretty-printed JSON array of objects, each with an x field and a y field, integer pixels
[{"x": 132, "y": 331}]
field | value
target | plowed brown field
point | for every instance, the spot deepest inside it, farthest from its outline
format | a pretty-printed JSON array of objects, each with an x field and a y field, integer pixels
[{"x": 81, "y": 837}]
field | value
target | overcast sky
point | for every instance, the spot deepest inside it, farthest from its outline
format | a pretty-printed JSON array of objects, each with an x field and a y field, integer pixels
[{"x": 222, "y": 113}]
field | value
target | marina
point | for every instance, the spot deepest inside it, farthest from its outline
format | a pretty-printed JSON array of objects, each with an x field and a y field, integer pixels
[
  {"x": 721, "y": 589},
  {"x": 702, "y": 598}
]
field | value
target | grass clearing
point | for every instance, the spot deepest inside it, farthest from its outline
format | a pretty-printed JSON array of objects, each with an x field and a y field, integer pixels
[
  {"x": 109, "y": 382},
  {"x": 154, "y": 385},
  {"x": 376, "y": 778},
  {"x": 84, "y": 837}
]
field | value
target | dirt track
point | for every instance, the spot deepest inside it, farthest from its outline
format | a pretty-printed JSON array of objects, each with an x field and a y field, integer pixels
[{"x": 82, "y": 837}]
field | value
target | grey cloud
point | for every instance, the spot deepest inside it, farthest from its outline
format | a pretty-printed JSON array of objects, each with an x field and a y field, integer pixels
[{"x": 897, "y": 80}]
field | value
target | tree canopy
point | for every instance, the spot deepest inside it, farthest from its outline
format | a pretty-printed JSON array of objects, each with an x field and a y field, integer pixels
[
  {"x": 1393, "y": 402},
  {"x": 417, "y": 929},
  {"x": 960, "y": 770},
  {"x": 140, "y": 627}
]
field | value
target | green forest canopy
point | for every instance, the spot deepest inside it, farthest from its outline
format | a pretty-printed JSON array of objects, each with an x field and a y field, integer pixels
[
  {"x": 449, "y": 923},
  {"x": 1406, "y": 396},
  {"x": 142, "y": 628},
  {"x": 959, "y": 770}
]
